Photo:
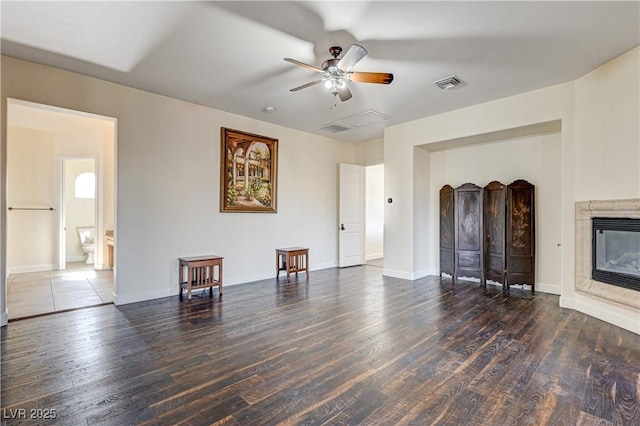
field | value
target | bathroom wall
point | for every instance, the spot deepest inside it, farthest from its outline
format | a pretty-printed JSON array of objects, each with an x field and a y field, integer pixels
[
  {"x": 30, "y": 185},
  {"x": 79, "y": 212}
]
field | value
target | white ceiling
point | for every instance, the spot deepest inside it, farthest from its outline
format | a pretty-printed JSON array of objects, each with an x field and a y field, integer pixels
[{"x": 229, "y": 55}]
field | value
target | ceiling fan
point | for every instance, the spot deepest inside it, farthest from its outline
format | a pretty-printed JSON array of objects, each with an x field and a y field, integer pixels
[{"x": 338, "y": 71}]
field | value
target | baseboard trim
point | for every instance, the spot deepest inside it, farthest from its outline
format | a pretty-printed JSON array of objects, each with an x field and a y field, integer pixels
[
  {"x": 566, "y": 302},
  {"x": 433, "y": 272},
  {"x": 325, "y": 265},
  {"x": 126, "y": 298},
  {"x": 589, "y": 308},
  {"x": 244, "y": 279},
  {"x": 548, "y": 288},
  {"x": 374, "y": 256},
  {"x": 541, "y": 288},
  {"x": 4, "y": 319},
  {"x": 421, "y": 274},
  {"x": 394, "y": 273},
  {"x": 31, "y": 268},
  {"x": 408, "y": 275},
  {"x": 76, "y": 258},
  {"x": 142, "y": 296}
]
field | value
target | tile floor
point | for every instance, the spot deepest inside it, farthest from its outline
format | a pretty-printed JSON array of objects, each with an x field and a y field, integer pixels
[{"x": 38, "y": 293}]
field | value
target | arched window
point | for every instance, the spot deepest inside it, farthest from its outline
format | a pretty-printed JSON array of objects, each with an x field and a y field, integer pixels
[{"x": 86, "y": 185}]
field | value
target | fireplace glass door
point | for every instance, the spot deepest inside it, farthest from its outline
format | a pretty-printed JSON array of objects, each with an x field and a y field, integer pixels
[{"x": 616, "y": 251}]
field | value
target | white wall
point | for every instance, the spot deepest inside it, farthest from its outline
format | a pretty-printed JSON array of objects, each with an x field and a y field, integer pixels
[
  {"x": 374, "y": 200},
  {"x": 422, "y": 239},
  {"x": 30, "y": 232},
  {"x": 168, "y": 183},
  {"x": 608, "y": 131},
  {"x": 370, "y": 152},
  {"x": 607, "y": 156},
  {"x": 79, "y": 212}
]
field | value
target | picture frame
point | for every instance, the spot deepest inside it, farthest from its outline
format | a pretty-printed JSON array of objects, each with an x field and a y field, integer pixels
[{"x": 248, "y": 172}]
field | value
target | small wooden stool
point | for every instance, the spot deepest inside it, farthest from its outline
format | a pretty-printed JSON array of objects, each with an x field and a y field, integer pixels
[
  {"x": 292, "y": 259},
  {"x": 200, "y": 273}
]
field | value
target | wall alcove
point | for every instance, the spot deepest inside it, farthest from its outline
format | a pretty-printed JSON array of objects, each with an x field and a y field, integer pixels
[{"x": 493, "y": 232}]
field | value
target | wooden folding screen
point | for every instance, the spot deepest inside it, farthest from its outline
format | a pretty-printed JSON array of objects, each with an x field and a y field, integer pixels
[
  {"x": 468, "y": 259},
  {"x": 494, "y": 232},
  {"x": 489, "y": 233},
  {"x": 520, "y": 227},
  {"x": 446, "y": 230}
]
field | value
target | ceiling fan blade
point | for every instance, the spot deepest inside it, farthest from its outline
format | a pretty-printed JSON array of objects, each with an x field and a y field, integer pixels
[
  {"x": 352, "y": 57},
  {"x": 370, "y": 77},
  {"x": 304, "y": 86},
  {"x": 344, "y": 93},
  {"x": 302, "y": 64}
]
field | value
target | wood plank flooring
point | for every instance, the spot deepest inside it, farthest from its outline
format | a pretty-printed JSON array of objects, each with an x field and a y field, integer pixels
[{"x": 346, "y": 347}]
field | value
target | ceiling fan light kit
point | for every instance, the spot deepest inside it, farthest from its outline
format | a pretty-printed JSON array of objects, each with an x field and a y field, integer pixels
[{"x": 337, "y": 72}]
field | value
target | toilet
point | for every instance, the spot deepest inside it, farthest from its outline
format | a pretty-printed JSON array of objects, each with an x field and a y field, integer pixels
[{"x": 88, "y": 243}]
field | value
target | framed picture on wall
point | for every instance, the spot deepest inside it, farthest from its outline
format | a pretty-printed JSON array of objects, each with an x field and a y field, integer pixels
[{"x": 248, "y": 172}]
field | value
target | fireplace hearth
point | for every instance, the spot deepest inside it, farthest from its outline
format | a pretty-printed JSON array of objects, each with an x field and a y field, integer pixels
[{"x": 616, "y": 251}]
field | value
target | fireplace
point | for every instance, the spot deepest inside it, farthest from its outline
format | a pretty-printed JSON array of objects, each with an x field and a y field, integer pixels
[
  {"x": 616, "y": 251},
  {"x": 585, "y": 283}
]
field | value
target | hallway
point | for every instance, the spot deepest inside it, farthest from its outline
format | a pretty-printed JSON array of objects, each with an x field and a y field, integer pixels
[{"x": 38, "y": 293}]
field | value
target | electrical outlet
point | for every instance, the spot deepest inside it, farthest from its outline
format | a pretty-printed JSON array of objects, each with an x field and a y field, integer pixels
[{"x": 393, "y": 259}]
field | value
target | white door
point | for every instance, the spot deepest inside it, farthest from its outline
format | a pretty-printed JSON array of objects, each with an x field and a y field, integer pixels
[{"x": 351, "y": 219}]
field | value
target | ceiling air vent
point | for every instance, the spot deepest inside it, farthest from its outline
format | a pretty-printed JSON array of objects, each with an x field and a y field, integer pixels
[
  {"x": 334, "y": 128},
  {"x": 450, "y": 82},
  {"x": 366, "y": 118}
]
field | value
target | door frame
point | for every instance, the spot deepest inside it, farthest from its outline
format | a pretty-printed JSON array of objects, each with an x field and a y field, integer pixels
[
  {"x": 61, "y": 214},
  {"x": 3, "y": 213}
]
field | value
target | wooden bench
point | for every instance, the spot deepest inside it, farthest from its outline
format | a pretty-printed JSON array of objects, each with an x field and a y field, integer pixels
[
  {"x": 200, "y": 273},
  {"x": 292, "y": 259}
]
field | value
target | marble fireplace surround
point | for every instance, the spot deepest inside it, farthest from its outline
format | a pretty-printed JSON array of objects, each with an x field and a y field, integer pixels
[{"x": 585, "y": 210}]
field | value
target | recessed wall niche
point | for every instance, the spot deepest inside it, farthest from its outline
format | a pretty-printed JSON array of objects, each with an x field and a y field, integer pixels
[{"x": 493, "y": 232}]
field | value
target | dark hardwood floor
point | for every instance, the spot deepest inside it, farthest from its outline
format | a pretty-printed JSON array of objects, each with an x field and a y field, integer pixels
[{"x": 346, "y": 347}]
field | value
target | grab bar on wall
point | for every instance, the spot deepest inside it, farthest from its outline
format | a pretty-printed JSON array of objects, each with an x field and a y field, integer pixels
[{"x": 31, "y": 208}]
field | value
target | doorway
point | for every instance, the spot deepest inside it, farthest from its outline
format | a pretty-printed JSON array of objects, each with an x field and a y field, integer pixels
[
  {"x": 60, "y": 187},
  {"x": 374, "y": 202},
  {"x": 361, "y": 215},
  {"x": 78, "y": 213}
]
